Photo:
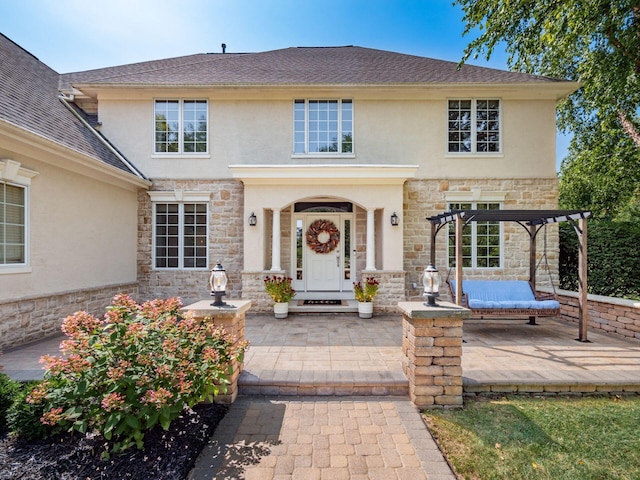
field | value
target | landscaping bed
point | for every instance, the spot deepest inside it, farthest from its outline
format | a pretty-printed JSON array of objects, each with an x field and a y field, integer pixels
[{"x": 167, "y": 455}]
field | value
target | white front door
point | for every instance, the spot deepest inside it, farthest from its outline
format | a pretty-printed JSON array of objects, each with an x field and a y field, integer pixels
[{"x": 322, "y": 242}]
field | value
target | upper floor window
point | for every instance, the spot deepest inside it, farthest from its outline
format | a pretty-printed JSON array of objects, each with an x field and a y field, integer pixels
[
  {"x": 181, "y": 126},
  {"x": 481, "y": 241},
  {"x": 322, "y": 126},
  {"x": 12, "y": 224},
  {"x": 474, "y": 126}
]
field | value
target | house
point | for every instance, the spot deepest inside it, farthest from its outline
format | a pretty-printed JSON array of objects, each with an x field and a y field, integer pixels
[{"x": 316, "y": 163}]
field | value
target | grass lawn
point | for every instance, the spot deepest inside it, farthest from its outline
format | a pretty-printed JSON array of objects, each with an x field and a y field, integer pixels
[{"x": 542, "y": 438}]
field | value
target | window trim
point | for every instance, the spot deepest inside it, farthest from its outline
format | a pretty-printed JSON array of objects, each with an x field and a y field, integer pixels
[
  {"x": 181, "y": 198},
  {"x": 180, "y": 152},
  {"x": 474, "y": 144},
  {"x": 12, "y": 173},
  {"x": 474, "y": 197},
  {"x": 306, "y": 153}
]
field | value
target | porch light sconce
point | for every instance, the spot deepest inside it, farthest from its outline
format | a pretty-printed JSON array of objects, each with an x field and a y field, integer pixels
[
  {"x": 253, "y": 220},
  {"x": 395, "y": 220},
  {"x": 218, "y": 283},
  {"x": 431, "y": 282}
]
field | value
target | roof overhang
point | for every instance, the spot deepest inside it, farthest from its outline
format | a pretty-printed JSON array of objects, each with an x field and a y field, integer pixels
[
  {"x": 555, "y": 90},
  {"x": 31, "y": 144},
  {"x": 354, "y": 174}
]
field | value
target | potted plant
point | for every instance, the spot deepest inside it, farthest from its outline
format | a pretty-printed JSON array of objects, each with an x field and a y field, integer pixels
[
  {"x": 281, "y": 292},
  {"x": 364, "y": 296}
]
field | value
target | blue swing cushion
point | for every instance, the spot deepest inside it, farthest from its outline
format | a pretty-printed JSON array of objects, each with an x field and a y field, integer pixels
[{"x": 503, "y": 294}]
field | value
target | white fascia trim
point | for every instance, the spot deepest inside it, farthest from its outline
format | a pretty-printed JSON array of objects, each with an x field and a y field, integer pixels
[
  {"x": 179, "y": 196},
  {"x": 302, "y": 174},
  {"x": 12, "y": 171},
  {"x": 475, "y": 195}
]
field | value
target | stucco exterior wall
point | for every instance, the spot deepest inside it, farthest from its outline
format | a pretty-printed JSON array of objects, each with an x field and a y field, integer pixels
[
  {"x": 82, "y": 234},
  {"x": 409, "y": 130}
]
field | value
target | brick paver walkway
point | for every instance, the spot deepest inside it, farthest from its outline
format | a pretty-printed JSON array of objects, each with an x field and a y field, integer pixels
[{"x": 322, "y": 438}]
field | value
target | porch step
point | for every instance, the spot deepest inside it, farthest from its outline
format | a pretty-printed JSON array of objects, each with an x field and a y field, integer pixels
[
  {"x": 348, "y": 306},
  {"x": 323, "y": 383}
]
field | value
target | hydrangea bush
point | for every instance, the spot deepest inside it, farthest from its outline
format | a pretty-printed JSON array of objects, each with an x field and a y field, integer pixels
[{"x": 139, "y": 367}]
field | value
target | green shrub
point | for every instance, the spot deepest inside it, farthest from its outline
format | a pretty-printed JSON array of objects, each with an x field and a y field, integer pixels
[
  {"x": 24, "y": 418},
  {"x": 8, "y": 391},
  {"x": 613, "y": 258},
  {"x": 138, "y": 368}
]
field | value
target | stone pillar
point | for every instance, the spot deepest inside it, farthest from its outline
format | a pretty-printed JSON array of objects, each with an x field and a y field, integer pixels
[
  {"x": 371, "y": 240},
  {"x": 232, "y": 319},
  {"x": 432, "y": 349},
  {"x": 275, "y": 242}
]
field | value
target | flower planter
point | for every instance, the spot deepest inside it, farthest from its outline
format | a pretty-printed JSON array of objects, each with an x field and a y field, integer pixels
[
  {"x": 365, "y": 309},
  {"x": 281, "y": 310}
]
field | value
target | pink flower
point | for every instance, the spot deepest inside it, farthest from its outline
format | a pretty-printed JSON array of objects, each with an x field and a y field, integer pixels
[
  {"x": 112, "y": 401},
  {"x": 52, "y": 417},
  {"x": 159, "y": 397}
]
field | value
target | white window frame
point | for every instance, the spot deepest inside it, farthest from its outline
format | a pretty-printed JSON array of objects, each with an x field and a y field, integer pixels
[
  {"x": 306, "y": 152},
  {"x": 474, "y": 197},
  {"x": 474, "y": 128},
  {"x": 181, "y": 198},
  {"x": 12, "y": 173},
  {"x": 181, "y": 122}
]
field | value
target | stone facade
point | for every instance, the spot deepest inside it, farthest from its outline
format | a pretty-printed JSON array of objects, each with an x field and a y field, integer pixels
[
  {"x": 29, "y": 319},
  {"x": 225, "y": 242},
  {"x": 424, "y": 198}
]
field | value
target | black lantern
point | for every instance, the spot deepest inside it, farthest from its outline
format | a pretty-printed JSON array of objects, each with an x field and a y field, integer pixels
[
  {"x": 218, "y": 284},
  {"x": 253, "y": 220},
  {"x": 431, "y": 282},
  {"x": 394, "y": 219}
]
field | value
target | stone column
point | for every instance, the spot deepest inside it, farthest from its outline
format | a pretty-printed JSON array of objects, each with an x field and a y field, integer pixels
[
  {"x": 432, "y": 349},
  {"x": 275, "y": 242},
  {"x": 371, "y": 240},
  {"x": 232, "y": 320}
]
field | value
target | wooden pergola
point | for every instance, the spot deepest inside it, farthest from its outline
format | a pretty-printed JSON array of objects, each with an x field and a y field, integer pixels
[{"x": 532, "y": 221}]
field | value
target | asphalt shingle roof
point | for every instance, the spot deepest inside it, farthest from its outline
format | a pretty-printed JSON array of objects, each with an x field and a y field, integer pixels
[
  {"x": 29, "y": 100},
  {"x": 298, "y": 66}
]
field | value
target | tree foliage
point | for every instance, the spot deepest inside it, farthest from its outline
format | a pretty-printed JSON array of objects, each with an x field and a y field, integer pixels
[
  {"x": 596, "y": 42},
  {"x": 601, "y": 174}
]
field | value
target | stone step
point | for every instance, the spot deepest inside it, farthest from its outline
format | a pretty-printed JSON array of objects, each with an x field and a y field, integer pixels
[
  {"x": 323, "y": 383},
  {"x": 348, "y": 306}
]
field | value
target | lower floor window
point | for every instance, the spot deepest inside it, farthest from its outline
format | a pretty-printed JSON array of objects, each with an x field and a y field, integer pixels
[
  {"x": 12, "y": 224},
  {"x": 481, "y": 241},
  {"x": 180, "y": 235}
]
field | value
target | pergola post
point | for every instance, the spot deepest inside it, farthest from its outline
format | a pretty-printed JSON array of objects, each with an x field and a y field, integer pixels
[
  {"x": 582, "y": 280},
  {"x": 459, "y": 225},
  {"x": 532, "y": 263}
]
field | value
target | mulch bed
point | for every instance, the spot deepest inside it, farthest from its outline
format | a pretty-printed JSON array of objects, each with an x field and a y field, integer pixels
[{"x": 168, "y": 455}]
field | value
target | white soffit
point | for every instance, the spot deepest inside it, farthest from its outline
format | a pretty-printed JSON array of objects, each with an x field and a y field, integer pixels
[{"x": 323, "y": 174}]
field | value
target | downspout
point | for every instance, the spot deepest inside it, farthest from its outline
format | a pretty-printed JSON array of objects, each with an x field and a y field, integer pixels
[{"x": 65, "y": 100}]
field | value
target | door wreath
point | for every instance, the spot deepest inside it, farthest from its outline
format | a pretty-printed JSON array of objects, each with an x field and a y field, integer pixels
[{"x": 323, "y": 236}]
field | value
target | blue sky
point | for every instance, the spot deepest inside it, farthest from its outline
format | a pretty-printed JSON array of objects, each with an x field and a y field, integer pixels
[{"x": 74, "y": 35}]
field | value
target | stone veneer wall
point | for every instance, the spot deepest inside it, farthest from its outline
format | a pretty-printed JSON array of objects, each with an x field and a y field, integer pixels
[
  {"x": 29, "y": 319},
  {"x": 226, "y": 242},
  {"x": 424, "y": 198},
  {"x": 613, "y": 315}
]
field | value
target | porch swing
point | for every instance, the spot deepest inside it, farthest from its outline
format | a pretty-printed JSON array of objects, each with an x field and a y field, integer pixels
[{"x": 511, "y": 298}]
